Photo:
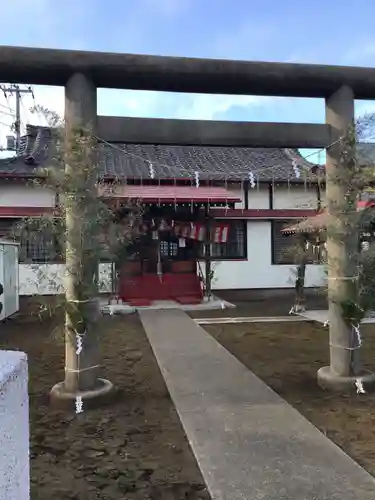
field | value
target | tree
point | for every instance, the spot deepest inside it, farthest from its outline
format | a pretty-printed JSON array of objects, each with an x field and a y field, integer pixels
[
  {"x": 307, "y": 238},
  {"x": 300, "y": 275},
  {"x": 85, "y": 227}
]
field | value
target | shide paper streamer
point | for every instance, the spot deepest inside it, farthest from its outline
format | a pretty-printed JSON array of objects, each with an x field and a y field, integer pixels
[
  {"x": 252, "y": 180},
  {"x": 79, "y": 340},
  {"x": 151, "y": 171},
  {"x": 78, "y": 400},
  {"x": 359, "y": 386},
  {"x": 196, "y": 176},
  {"x": 297, "y": 172},
  {"x": 79, "y": 404}
]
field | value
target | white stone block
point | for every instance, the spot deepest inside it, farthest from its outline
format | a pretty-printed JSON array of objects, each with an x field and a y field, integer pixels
[{"x": 14, "y": 427}]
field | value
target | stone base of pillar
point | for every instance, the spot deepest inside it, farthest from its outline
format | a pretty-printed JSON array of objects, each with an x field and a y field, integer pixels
[
  {"x": 328, "y": 380},
  {"x": 103, "y": 394}
]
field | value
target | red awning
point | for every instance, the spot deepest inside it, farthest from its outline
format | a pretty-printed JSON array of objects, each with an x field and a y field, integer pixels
[{"x": 170, "y": 194}]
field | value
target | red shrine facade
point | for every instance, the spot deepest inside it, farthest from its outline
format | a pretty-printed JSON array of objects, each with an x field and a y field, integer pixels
[{"x": 170, "y": 259}]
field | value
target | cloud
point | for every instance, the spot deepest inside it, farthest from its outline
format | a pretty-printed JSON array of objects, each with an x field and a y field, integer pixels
[
  {"x": 360, "y": 53},
  {"x": 209, "y": 107},
  {"x": 127, "y": 103},
  {"x": 247, "y": 40},
  {"x": 170, "y": 105},
  {"x": 49, "y": 18},
  {"x": 243, "y": 42}
]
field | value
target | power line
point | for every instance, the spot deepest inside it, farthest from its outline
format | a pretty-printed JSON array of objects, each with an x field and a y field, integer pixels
[
  {"x": 18, "y": 92},
  {"x": 8, "y": 108},
  {"x": 6, "y": 113},
  {"x": 25, "y": 112}
]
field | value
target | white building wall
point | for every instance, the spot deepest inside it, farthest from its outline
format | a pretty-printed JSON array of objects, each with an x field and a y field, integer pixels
[
  {"x": 14, "y": 427},
  {"x": 284, "y": 197},
  {"x": 239, "y": 192},
  {"x": 294, "y": 197},
  {"x": 20, "y": 195},
  {"x": 258, "y": 271},
  {"x": 259, "y": 198}
]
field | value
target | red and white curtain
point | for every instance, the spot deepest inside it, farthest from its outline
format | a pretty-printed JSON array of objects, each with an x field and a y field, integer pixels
[
  {"x": 182, "y": 230},
  {"x": 220, "y": 233},
  {"x": 197, "y": 231},
  {"x": 194, "y": 230}
]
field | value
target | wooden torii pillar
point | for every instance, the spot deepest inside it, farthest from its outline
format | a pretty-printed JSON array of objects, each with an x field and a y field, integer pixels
[
  {"x": 342, "y": 247},
  {"x": 81, "y": 275}
]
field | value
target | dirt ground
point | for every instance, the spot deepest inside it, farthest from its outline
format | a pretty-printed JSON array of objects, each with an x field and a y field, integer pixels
[
  {"x": 287, "y": 356},
  {"x": 133, "y": 449}
]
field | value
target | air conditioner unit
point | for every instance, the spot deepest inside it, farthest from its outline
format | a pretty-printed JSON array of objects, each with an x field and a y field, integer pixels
[{"x": 11, "y": 143}]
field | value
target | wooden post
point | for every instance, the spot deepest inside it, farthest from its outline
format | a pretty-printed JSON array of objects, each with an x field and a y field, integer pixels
[{"x": 207, "y": 252}]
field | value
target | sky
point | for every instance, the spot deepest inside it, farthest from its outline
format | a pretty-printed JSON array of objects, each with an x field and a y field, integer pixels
[{"x": 334, "y": 32}]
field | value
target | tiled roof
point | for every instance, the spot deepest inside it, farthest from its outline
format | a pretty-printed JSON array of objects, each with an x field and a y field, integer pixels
[
  {"x": 169, "y": 162},
  {"x": 309, "y": 224}
]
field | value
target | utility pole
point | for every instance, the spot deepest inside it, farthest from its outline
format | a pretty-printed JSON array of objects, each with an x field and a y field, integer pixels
[{"x": 11, "y": 90}]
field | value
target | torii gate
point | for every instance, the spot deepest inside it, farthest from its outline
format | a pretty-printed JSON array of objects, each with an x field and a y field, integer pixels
[{"x": 83, "y": 72}]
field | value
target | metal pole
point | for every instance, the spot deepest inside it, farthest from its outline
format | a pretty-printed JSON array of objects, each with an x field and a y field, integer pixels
[{"x": 17, "y": 123}]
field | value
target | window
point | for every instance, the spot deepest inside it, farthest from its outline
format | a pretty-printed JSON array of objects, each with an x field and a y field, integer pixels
[
  {"x": 284, "y": 246},
  {"x": 6, "y": 226},
  {"x": 36, "y": 245},
  {"x": 236, "y": 245},
  {"x": 168, "y": 249}
]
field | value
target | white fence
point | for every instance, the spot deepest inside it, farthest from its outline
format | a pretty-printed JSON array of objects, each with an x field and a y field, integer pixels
[{"x": 48, "y": 279}]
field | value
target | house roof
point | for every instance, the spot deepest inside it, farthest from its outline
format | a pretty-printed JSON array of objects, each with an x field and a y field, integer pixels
[
  {"x": 313, "y": 224},
  {"x": 323, "y": 220},
  {"x": 168, "y": 161}
]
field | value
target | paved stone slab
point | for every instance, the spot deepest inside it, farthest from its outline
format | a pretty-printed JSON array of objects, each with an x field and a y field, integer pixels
[
  {"x": 249, "y": 443},
  {"x": 205, "y": 305},
  {"x": 250, "y": 319}
]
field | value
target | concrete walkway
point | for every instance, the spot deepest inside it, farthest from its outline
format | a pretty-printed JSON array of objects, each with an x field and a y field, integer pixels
[{"x": 249, "y": 443}]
